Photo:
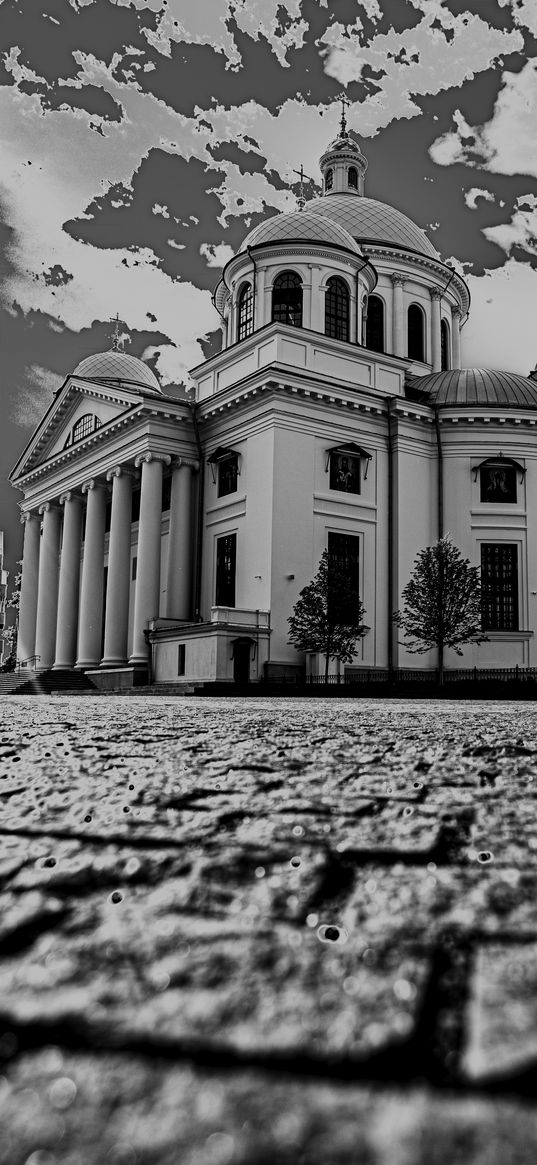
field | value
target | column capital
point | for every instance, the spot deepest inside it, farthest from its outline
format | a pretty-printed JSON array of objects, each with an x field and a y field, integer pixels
[
  {"x": 456, "y": 313},
  {"x": 69, "y": 496},
  {"x": 93, "y": 483},
  {"x": 185, "y": 463},
  {"x": 148, "y": 457},
  {"x": 398, "y": 280},
  {"x": 26, "y": 515},
  {"x": 435, "y": 292},
  {"x": 122, "y": 471},
  {"x": 47, "y": 506}
]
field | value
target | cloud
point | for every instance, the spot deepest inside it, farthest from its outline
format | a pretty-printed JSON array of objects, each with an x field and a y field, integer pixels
[
  {"x": 471, "y": 196},
  {"x": 443, "y": 51},
  {"x": 500, "y": 332},
  {"x": 524, "y": 13},
  {"x": 216, "y": 256},
  {"x": 34, "y": 397},
  {"x": 507, "y": 144},
  {"x": 521, "y": 232}
]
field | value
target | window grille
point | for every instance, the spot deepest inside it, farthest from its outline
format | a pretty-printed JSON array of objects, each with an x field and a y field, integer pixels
[
  {"x": 343, "y": 565},
  {"x": 84, "y": 426},
  {"x": 499, "y": 586},
  {"x": 226, "y": 557},
  {"x": 352, "y": 179},
  {"x": 336, "y": 312},
  {"x": 329, "y": 180},
  {"x": 246, "y": 312}
]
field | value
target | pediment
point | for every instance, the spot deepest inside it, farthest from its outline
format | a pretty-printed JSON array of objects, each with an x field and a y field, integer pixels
[{"x": 80, "y": 410}]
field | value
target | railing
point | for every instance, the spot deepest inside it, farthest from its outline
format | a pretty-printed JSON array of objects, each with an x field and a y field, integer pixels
[
  {"x": 32, "y": 661},
  {"x": 506, "y": 675}
]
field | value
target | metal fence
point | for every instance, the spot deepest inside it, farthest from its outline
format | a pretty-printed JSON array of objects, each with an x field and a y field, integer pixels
[{"x": 506, "y": 675}]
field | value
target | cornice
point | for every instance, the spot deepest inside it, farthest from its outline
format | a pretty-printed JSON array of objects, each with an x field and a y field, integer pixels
[{"x": 98, "y": 438}]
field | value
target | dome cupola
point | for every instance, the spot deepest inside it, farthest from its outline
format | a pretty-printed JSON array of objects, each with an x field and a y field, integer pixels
[{"x": 343, "y": 165}]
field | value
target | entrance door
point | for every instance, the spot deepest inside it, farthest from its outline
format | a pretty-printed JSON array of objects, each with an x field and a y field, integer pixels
[{"x": 241, "y": 662}]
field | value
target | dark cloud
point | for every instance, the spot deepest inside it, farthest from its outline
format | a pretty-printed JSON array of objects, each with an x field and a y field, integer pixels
[
  {"x": 57, "y": 276},
  {"x": 188, "y": 190},
  {"x": 89, "y": 97},
  {"x": 47, "y": 47}
]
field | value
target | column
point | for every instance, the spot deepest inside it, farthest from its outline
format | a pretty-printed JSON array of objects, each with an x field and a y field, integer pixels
[
  {"x": 179, "y": 573},
  {"x": 47, "y": 595},
  {"x": 436, "y": 347},
  {"x": 66, "y": 632},
  {"x": 399, "y": 344},
  {"x": 315, "y": 301},
  {"x": 456, "y": 337},
  {"x": 147, "y": 592},
  {"x": 91, "y": 590},
  {"x": 29, "y": 580},
  {"x": 116, "y": 626}
]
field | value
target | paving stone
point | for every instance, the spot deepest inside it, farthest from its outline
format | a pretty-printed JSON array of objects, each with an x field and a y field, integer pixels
[{"x": 267, "y": 930}]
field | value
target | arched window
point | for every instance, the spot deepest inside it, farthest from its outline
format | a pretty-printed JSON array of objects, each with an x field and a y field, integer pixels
[
  {"x": 336, "y": 309},
  {"x": 416, "y": 337},
  {"x": 246, "y": 311},
  {"x": 329, "y": 180},
  {"x": 287, "y": 299},
  {"x": 374, "y": 332},
  {"x": 352, "y": 178},
  {"x": 84, "y": 426},
  {"x": 444, "y": 346}
]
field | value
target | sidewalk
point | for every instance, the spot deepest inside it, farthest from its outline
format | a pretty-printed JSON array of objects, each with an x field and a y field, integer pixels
[{"x": 257, "y": 932}]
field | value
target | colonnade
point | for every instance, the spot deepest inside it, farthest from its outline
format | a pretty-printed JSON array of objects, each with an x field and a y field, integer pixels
[
  {"x": 399, "y": 325},
  {"x": 63, "y": 593}
]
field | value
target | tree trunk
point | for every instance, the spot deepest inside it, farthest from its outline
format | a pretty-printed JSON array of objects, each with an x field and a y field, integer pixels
[
  {"x": 440, "y": 663},
  {"x": 326, "y": 666}
]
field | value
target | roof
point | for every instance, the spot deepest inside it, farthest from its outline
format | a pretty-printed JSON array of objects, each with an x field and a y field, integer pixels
[
  {"x": 299, "y": 226},
  {"x": 368, "y": 220},
  {"x": 474, "y": 387},
  {"x": 106, "y": 366}
]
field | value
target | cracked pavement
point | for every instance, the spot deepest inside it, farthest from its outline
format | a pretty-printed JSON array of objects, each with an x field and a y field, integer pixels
[{"x": 261, "y": 930}]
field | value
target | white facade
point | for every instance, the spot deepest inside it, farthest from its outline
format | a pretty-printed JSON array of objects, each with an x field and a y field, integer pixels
[{"x": 176, "y": 537}]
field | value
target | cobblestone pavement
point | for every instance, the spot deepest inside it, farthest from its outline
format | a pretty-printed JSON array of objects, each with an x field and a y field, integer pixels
[{"x": 253, "y": 932}]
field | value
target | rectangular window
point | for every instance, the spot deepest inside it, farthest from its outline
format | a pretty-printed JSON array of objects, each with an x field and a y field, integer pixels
[
  {"x": 166, "y": 493},
  {"x": 228, "y": 471},
  {"x": 498, "y": 483},
  {"x": 499, "y": 586},
  {"x": 345, "y": 473},
  {"x": 226, "y": 557},
  {"x": 344, "y": 584},
  {"x": 133, "y": 569},
  {"x": 181, "y": 659}
]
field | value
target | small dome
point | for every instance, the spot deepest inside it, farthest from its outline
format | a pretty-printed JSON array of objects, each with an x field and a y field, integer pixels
[
  {"x": 477, "y": 387},
  {"x": 115, "y": 366},
  {"x": 299, "y": 227},
  {"x": 370, "y": 221}
]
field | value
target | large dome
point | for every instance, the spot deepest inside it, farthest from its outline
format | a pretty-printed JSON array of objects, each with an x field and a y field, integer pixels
[
  {"x": 298, "y": 227},
  {"x": 370, "y": 221},
  {"x": 475, "y": 387},
  {"x": 113, "y": 365}
]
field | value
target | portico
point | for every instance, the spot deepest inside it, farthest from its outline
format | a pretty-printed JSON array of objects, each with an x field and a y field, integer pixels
[{"x": 102, "y": 557}]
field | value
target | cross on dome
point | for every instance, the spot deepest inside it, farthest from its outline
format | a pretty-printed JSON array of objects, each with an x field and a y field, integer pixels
[
  {"x": 117, "y": 342},
  {"x": 344, "y": 102},
  {"x": 301, "y": 201}
]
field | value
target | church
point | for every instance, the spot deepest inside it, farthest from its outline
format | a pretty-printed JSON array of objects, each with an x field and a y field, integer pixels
[{"x": 167, "y": 539}]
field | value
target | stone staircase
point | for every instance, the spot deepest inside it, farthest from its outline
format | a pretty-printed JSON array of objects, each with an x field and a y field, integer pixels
[{"x": 42, "y": 683}]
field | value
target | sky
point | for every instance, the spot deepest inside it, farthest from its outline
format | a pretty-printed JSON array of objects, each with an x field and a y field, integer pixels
[{"x": 142, "y": 139}]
